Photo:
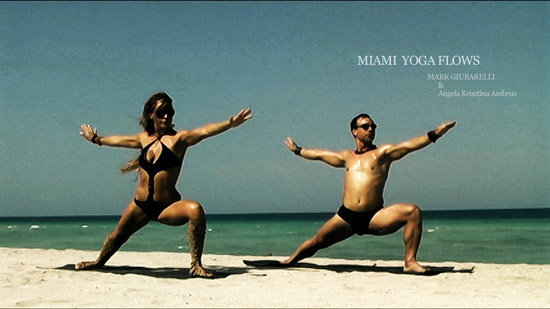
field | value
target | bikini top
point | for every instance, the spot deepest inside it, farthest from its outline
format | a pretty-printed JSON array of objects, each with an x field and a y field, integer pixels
[{"x": 166, "y": 160}]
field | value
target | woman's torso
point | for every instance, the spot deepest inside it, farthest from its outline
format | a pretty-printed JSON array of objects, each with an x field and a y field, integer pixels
[{"x": 160, "y": 165}]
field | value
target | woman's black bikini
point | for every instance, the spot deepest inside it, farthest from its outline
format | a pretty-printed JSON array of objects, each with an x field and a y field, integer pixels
[{"x": 167, "y": 160}]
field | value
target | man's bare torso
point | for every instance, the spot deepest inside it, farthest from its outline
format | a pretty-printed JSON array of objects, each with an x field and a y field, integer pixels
[{"x": 364, "y": 180}]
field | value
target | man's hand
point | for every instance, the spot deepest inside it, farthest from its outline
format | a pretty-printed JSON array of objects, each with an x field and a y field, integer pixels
[
  {"x": 291, "y": 145},
  {"x": 240, "y": 117},
  {"x": 444, "y": 128}
]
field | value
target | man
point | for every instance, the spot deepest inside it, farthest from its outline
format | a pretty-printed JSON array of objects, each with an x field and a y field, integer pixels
[{"x": 362, "y": 210}]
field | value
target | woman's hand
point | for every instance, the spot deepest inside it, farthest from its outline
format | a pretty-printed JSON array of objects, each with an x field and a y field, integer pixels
[
  {"x": 240, "y": 118},
  {"x": 87, "y": 132},
  {"x": 90, "y": 134}
]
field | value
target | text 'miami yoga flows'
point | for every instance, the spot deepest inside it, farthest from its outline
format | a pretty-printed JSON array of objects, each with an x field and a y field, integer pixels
[{"x": 422, "y": 60}]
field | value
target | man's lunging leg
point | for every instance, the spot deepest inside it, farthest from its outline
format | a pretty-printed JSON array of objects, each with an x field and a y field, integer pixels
[
  {"x": 412, "y": 235},
  {"x": 333, "y": 231},
  {"x": 392, "y": 218}
]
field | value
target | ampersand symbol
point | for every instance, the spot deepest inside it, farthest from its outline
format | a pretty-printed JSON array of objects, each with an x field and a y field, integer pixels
[{"x": 440, "y": 85}]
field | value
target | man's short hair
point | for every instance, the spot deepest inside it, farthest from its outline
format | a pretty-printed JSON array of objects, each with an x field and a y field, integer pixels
[{"x": 353, "y": 123}]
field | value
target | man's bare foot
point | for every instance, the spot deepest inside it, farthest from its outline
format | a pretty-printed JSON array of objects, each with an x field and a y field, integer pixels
[
  {"x": 289, "y": 262},
  {"x": 199, "y": 271},
  {"x": 413, "y": 268},
  {"x": 86, "y": 265}
]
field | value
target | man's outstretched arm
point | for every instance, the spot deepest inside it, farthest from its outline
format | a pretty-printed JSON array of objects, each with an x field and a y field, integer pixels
[
  {"x": 396, "y": 152},
  {"x": 334, "y": 159}
]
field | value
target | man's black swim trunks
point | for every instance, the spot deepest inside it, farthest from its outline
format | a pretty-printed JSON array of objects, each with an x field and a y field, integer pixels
[{"x": 359, "y": 221}]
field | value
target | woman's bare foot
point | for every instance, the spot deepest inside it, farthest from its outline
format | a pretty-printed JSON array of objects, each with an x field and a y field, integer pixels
[
  {"x": 86, "y": 265},
  {"x": 413, "y": 268},
  {"x": 199, "y": 271}
]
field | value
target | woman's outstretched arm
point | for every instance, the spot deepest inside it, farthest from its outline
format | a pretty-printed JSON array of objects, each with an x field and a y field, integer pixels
[
  {"x": 90, "y": 134},
  {"x": 194, "y": 136}
]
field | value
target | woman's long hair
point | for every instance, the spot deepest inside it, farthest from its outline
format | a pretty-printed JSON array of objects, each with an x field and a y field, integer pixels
[{"x": 147, "y": 123}]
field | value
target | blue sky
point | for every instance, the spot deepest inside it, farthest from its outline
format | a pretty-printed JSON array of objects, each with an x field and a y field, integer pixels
[{"x": 295, "y": 65}]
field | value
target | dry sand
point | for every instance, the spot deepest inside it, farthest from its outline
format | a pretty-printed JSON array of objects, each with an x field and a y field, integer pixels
[{"x": 44, "y": 278}]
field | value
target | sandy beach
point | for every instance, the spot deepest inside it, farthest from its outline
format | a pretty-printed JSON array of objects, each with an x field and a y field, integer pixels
[{"x": 44, "y": 278}]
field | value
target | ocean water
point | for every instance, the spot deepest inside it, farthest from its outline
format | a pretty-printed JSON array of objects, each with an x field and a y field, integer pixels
[{"x": 487, "y": 236}]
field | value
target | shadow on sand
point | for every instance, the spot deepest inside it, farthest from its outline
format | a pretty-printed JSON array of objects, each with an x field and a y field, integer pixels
[
  {"x": 163, "y": 272},
  {"x": 341, "y": 268},
  {"x": 224, "y": 272}
]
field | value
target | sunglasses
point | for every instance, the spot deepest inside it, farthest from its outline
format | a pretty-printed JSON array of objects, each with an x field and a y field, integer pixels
[
  {"x": 165, "y": 111},
  {"x": 367, "y": 126}
]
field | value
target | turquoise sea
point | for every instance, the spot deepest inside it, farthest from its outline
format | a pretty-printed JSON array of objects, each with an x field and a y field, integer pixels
[{"x": 487, "y": 236}]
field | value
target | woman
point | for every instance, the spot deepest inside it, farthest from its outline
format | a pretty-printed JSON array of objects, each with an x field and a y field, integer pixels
[{"x": 158, "y": 166}]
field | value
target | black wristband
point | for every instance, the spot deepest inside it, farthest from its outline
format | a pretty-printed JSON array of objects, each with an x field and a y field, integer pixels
[
  {"x": 297, "y": 150},
  {"x": 432, "y": 136},
  {"x": 95, "y": 140}
]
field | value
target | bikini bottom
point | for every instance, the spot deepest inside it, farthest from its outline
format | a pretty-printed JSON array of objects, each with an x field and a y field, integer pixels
[
  {"x": 152, "y": 209},
  {"x": 359, "y": 221}
]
